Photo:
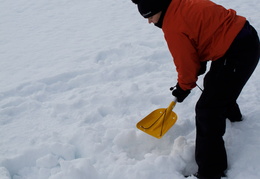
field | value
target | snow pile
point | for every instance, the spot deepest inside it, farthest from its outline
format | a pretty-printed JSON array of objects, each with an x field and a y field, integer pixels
[{"x": 77, "y": 77}]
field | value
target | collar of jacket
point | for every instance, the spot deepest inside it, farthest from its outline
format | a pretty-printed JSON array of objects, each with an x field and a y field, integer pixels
[{"x": 160, "y": 22}]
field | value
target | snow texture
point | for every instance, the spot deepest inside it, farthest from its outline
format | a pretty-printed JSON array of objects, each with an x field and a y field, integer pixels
[{"x": 76, "y": 76}]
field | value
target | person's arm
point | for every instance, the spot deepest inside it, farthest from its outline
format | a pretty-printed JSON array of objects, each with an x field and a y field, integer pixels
[{"x": 186, "y": 59}]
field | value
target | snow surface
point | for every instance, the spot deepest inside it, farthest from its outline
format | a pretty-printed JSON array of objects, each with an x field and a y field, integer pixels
[{"x": 76, "y": 76}]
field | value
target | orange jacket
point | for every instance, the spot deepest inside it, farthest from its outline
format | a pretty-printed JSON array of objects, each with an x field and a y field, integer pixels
[{"x": 196, "y": 31}]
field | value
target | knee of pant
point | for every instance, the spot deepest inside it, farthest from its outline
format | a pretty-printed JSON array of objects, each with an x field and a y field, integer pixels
[{"x": 210, "y": 122}]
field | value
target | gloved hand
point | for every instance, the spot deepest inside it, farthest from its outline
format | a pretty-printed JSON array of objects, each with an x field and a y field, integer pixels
[{"x": 179, "y": 93}]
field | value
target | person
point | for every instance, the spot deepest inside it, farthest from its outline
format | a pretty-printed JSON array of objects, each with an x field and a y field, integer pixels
[{"x": 198, "y": 31}]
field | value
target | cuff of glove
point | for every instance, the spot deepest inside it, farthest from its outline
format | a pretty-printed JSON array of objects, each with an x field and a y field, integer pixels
[{"x": 179, "y": 93}]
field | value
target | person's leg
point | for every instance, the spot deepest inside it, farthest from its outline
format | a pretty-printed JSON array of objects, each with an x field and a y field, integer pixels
[
  {"x": 210, "y": 124},
  {"x": 222, "y": 86}
]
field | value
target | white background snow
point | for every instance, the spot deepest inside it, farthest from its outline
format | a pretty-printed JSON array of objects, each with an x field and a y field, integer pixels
[{"x": 76, "y": 76}]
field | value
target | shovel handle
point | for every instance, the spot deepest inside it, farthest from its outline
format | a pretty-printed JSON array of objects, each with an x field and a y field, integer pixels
[
  {"x": 174, "y": 99},
  {"x": 171, "y": 105}
]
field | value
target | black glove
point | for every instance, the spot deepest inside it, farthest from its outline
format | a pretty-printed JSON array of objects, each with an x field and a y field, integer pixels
[
  {"x": 179, "y": 93},
  {"x": 203, "y": 68}
]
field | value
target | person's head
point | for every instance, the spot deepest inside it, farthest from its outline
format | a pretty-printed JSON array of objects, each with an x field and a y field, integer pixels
[{"x": 150, "y": 9}]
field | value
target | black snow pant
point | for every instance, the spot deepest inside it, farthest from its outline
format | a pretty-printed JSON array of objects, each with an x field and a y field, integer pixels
[{"x": 222, "y": 86}]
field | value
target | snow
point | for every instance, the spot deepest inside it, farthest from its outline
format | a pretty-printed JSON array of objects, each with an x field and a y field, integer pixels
[{"x": 75, "y": 79}]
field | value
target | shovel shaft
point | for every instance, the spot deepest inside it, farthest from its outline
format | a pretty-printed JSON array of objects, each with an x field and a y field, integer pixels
[
  {"x": 174, "y": 99},
  {"x": 171, "y": 105}
]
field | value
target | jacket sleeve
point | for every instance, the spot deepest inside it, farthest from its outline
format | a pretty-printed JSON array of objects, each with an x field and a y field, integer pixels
[{"x": 185, "y": 57}]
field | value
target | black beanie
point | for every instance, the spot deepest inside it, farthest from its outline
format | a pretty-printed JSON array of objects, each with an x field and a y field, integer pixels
[{"x": 148, "y": 8}]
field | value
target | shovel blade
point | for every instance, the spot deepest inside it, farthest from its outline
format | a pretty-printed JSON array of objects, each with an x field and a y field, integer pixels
[{"x": 158, "y": 122}]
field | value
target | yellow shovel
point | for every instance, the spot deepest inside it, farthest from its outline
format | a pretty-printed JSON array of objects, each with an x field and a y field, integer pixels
[{"x": 158, "y": 122}]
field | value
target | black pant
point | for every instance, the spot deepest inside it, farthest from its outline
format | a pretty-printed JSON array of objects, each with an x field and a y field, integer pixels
[{"x": 222, "y": 86}]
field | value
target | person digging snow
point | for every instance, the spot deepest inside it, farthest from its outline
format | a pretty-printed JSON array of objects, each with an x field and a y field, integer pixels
[{"x": 198, "y": 31}]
